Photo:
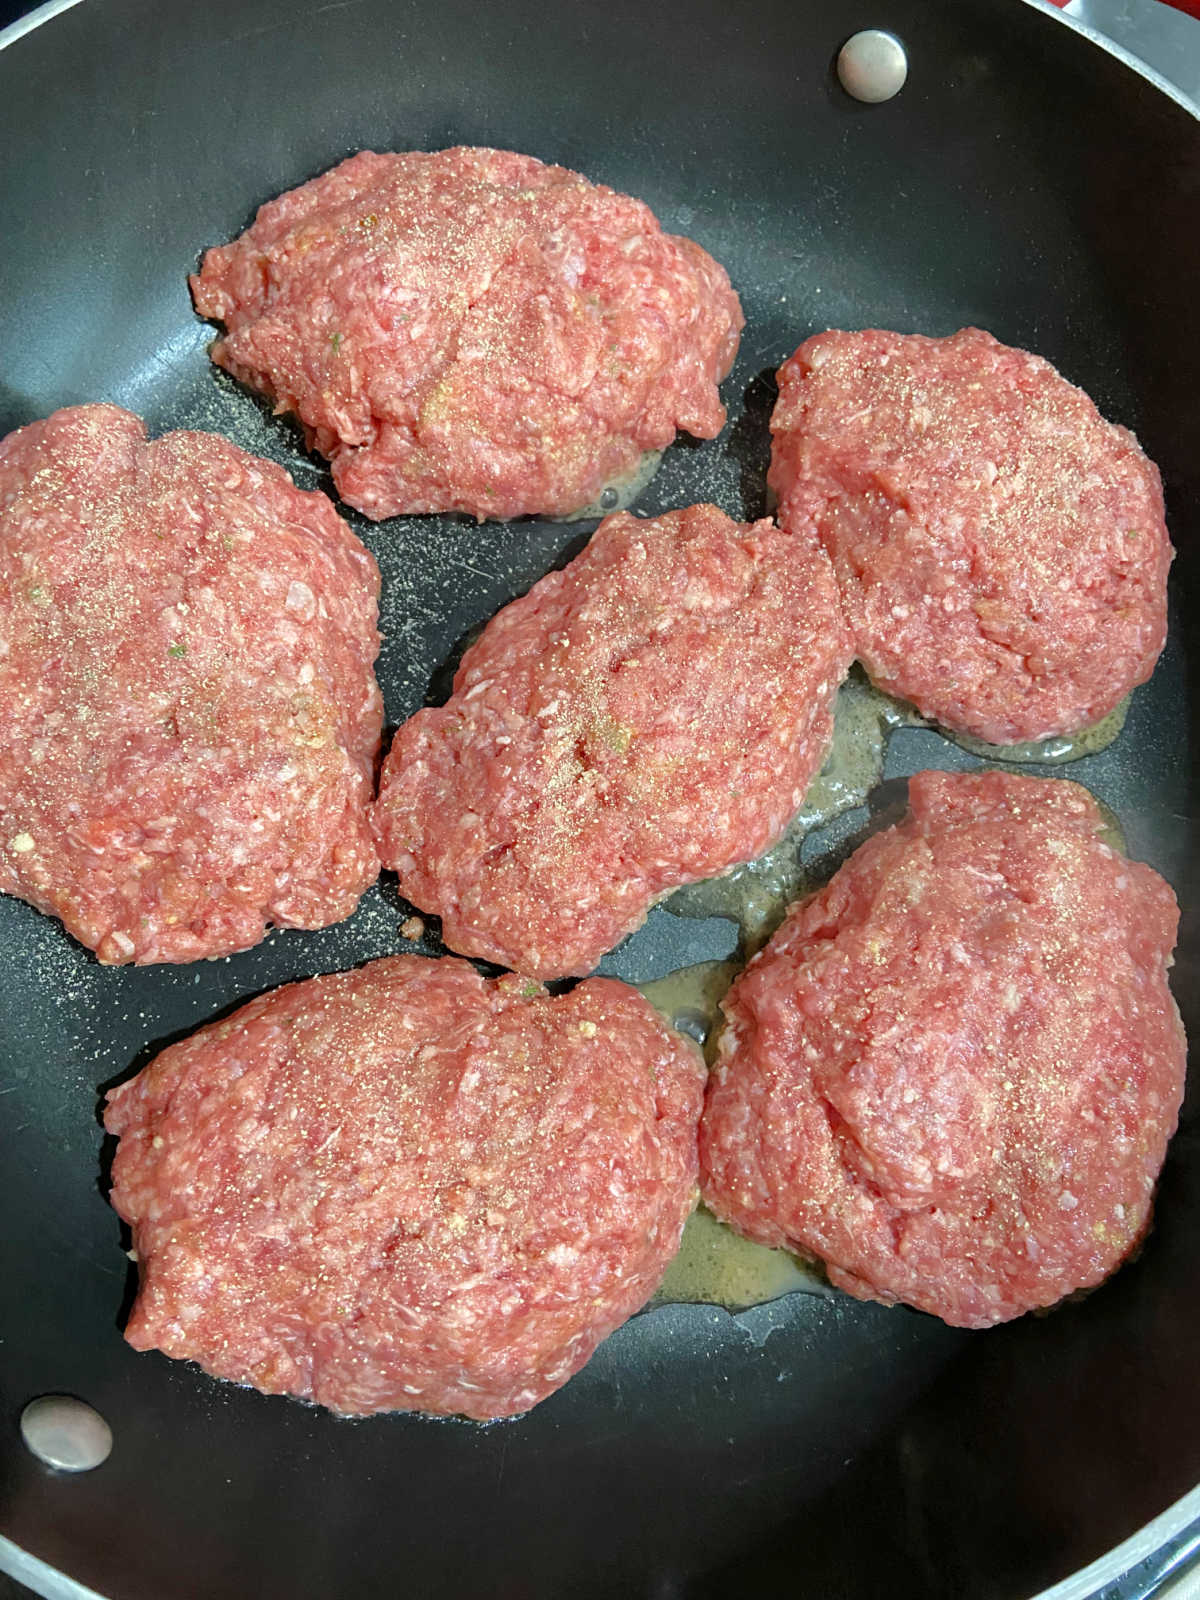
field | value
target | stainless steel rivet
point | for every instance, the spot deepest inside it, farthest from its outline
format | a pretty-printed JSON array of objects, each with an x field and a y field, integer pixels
[
  {"x": 872, "y": 66},
  {"x": 66, "y": 1433}
]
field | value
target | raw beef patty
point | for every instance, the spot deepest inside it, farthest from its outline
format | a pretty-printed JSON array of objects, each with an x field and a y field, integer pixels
[
  {"x": 953, "y": 1073},
  {"x": 1000, "y": 548},
  {"x": 649, "y": 716},
  {"x": 186, "y": 688},
  {"x": 471, "y": 330},
  {"x": 407, "y": 1187}
]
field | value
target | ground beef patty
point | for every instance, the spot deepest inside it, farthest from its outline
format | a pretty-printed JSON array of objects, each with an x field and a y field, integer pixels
[
  {"x": 650, "y": 716},
  {"x": 407, "y": 1187},
  {"x": 471, "y": 330},
  {"x": 1000, "y": 548},
  {"x": 953, "y": 1073},
  {"x": 190, "y": 713}
]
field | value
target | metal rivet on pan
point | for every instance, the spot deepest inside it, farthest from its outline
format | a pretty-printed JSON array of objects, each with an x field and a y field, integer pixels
[
  {"x": 872, "y": 66},
  {"x": 66, "y": 1433}
]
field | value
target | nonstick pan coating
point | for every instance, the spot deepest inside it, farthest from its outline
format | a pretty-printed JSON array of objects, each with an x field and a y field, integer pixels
[{"x": 1024, "y": 180}]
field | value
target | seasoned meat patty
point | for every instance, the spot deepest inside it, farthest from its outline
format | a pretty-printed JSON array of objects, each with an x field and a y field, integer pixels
[
  {"x": 473, "y": 331},
  {"x": 953, "y": 1072},
  {"x": 190, "y": 712},
  {"x": 1000, "y": 548},
  {"x": 406, "y": 1187},
  {"x": 649, "y": 716}
]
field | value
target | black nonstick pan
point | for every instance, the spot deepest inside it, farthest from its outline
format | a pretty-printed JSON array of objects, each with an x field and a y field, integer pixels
[{"x": 1026, "y": 180}]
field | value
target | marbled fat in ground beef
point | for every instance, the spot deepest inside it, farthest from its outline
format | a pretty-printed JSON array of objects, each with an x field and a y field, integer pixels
[
  {"x": 471, "y": 330},
  {"x": 953, "y": 1073},
  {"x": 407, "y": 1187},
  {"x": 649, "y": 716},
  {"x": 190, "y": 710},
  {"x": 1000, "y": 548}
]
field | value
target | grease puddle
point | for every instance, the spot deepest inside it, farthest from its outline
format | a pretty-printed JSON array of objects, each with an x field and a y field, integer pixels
[{"x": 715, "y": 1266}]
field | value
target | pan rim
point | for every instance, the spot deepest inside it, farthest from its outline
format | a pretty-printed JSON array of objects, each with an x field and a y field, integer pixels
[
  {"x": 36, "y": 1574},
  {"x": 50, "y": 9},
  {"x": 1179, "y": 1523},
  {"x": 1101, "y": 40},
  {"x": 34, "y": 19},
  {"x": 1149, "y": 1540}
]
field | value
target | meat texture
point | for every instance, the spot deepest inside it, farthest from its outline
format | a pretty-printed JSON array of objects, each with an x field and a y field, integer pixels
[
  {"x": 472, "y": 330},
  {"x": 407, "y": 1187},
  {"x": 953, "y": 1073},
  {"x": 1000, "y": 549},
  {"x": 190, "y": 710},
  {"x": 649, "y": 716}
]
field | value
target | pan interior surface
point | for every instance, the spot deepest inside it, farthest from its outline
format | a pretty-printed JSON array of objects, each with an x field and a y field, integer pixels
[{"x": 1024, "y": 181}]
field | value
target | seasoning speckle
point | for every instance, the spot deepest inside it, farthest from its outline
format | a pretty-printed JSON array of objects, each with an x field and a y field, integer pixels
[
  {"x": 148, "y": 710},
  {"x": 411, "y": 1138},
  {"x": 648, "y": 716},
  {"x": 553, "y": 339},
  {"x": 975, "y": 505},
  {"x": 991, "y": 958}
]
